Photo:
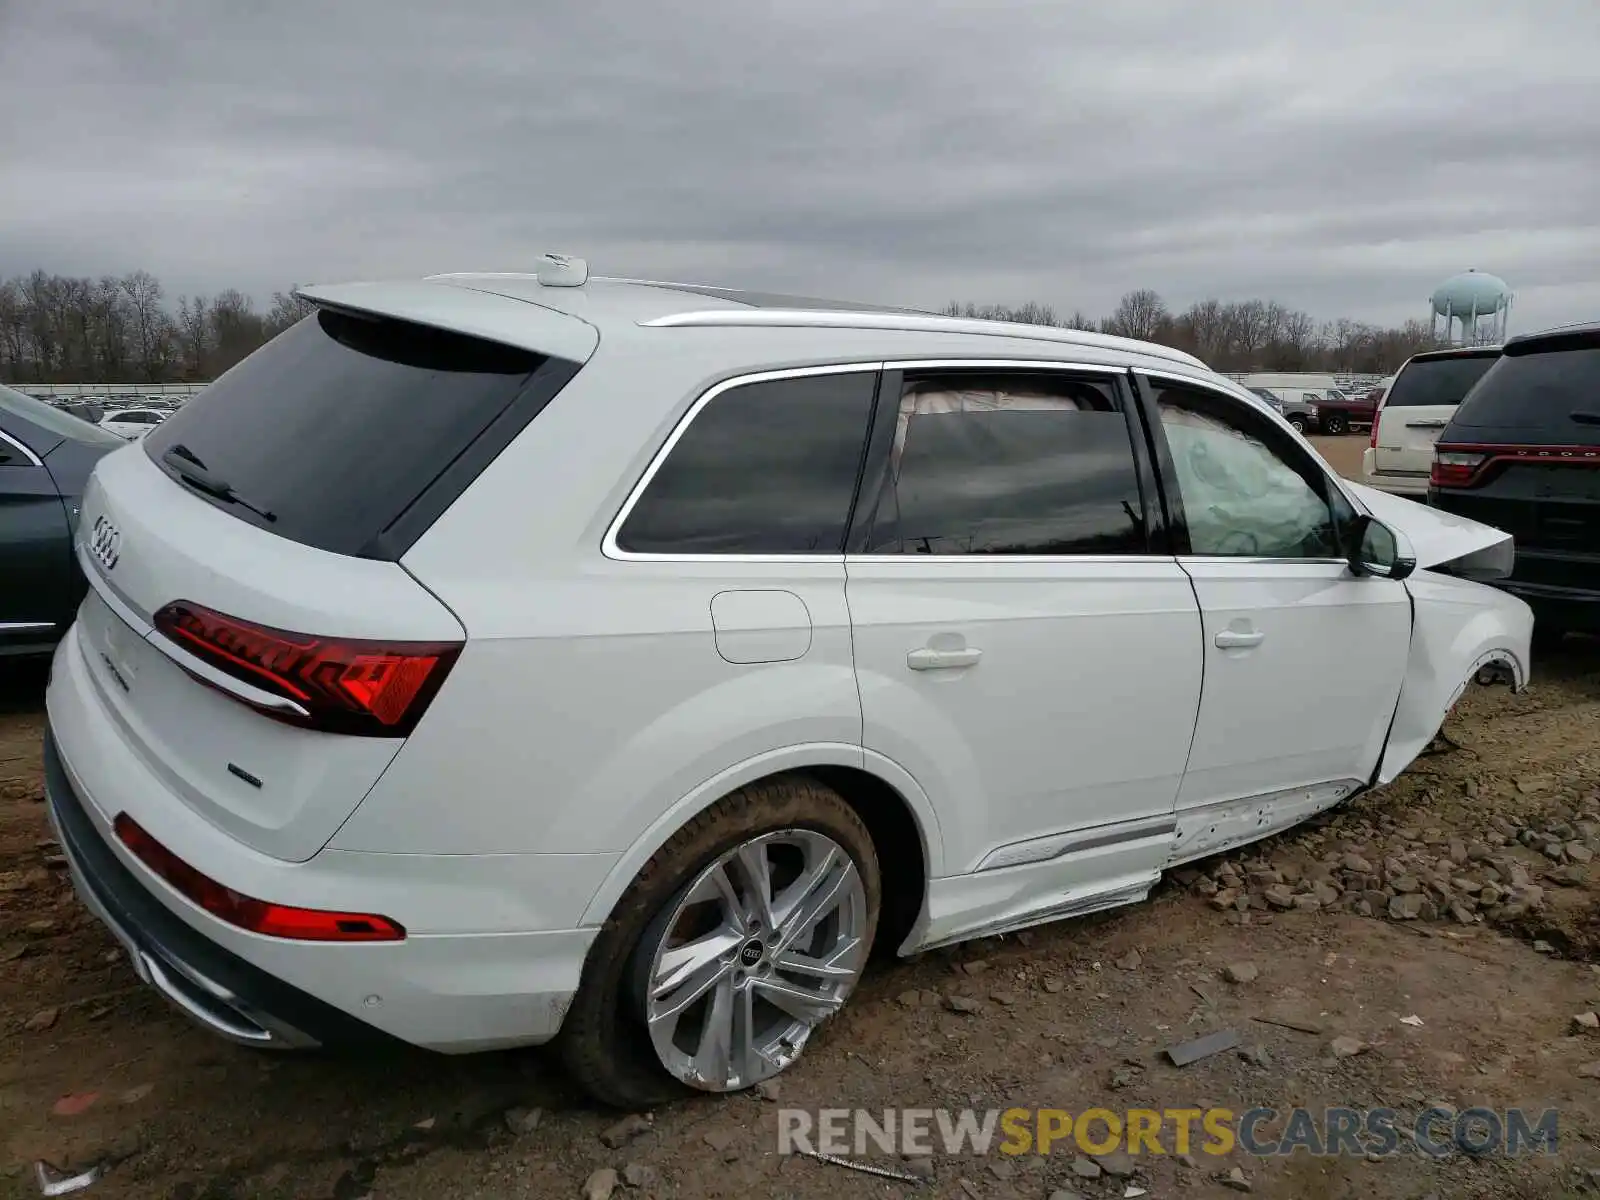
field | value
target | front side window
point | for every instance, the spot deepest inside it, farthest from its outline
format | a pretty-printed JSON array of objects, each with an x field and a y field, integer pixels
[
  {"x": 1019, "y": 463},
  {"x": 1246, "y": 491},
  {"x": 763, "y": 468}
]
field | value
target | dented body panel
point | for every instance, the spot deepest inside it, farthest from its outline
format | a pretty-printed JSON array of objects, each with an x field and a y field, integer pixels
[
  {"x": 1471, "y": 550},
  {"x": 1458, "y": 627}
]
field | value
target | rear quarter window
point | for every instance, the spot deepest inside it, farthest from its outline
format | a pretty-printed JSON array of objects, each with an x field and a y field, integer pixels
[
  {"x": 352, "y": 432},
  {"x": 766, "y": 467}
]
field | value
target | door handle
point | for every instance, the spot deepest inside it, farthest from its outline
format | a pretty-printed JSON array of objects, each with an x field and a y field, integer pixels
[
  {"x": 929, "y": 659},
  {"x": 1237, "y": 639}
]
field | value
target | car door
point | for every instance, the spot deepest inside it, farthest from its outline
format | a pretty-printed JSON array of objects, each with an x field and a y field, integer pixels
[
  {"x": 35, "y": 548},
  {"x": 1303, "y": 658},
  {"x": 1026, "y": 648}
]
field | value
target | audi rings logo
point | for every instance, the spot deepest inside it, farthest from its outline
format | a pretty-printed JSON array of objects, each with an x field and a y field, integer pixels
[{"x": 105, "y": 542}]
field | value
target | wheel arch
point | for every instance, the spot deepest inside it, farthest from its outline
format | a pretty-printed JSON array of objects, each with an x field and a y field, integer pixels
[
  {"x": 895, "y": 810},
  {"x": 1459, "y": 628}
]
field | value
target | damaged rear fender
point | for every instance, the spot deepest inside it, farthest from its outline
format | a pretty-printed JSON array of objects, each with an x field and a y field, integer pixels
[{"x": 1458, "y": 628}]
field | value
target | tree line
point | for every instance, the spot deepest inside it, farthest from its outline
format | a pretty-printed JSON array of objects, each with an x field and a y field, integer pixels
[
  {"x": 1247, "y": 335},
  {"x": 123, "y": 328}
]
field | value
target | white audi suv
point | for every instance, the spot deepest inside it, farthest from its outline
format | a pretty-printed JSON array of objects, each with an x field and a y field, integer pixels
[{"x": 495, "y": 659}]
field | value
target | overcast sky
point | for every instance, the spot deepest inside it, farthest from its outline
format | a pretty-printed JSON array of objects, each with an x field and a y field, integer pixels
[{"x": 1343, "y": 156}]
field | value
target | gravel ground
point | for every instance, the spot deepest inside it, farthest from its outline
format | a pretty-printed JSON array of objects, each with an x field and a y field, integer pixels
[{"x": 1428, "y": 943}]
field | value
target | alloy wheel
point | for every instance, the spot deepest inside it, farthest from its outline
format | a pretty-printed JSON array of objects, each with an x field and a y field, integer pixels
[{"x": 765, "y": 945}]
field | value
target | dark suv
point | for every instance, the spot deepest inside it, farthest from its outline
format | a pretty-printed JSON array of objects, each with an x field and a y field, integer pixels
[{"x": 1522, "y": 453}]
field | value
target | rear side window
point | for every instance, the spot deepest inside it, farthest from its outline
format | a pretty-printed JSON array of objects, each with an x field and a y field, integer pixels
[
  {"x": 1436, "y": 381},
  {"x": 1554, "y": 395},
  {"x": 768, "y": 467},
  {"x": 1009, "y": 464},
  {"x": 340, "y": 424}
]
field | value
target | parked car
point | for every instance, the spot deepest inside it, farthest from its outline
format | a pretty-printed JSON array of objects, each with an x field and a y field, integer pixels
[
  {"x": 1418, "y": 404},
  {"x": 134, "y": 423},
  {"x": 1312, "y": 402},
  {"x": 1338, "y": 412},
  {"x": 1299, "y": 413},
  {"x": 477, "y": 663},
  {"x": 88, "y": 410},
  {"x": 45, "y": 459},
  {"x": 1271, "y": 400},
  {"x": 1522, "y": 453}
]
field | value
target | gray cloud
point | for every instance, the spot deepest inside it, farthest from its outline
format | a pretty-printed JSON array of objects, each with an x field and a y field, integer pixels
[{"x": 1342, "y": 158}]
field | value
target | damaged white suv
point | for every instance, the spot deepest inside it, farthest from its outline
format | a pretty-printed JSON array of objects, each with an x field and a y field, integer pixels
[{"x": 494, "y": 659}]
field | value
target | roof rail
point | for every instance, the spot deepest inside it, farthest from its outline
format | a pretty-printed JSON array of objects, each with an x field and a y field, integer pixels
[{"x": 775, "y": 318}]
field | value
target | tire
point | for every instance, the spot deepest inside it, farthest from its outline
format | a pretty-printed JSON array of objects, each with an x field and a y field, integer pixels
[
  {"x": 1335, "y": 425},
  {"x": 606, "y": 1043},
  {"x": 1299, "y": 423}
]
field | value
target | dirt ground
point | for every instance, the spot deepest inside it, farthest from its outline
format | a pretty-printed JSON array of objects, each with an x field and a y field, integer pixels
[{"x": 1474, "y": 864}]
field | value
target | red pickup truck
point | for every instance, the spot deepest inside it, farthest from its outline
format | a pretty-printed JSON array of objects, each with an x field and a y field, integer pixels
[{"x": 1338, "y": 413}]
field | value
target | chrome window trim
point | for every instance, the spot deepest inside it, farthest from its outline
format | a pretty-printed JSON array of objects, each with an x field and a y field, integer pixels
[
  {"x": 1024, "y": 560},
  {"x": 1261, "y": 559},
  {"x": 1112, "y": 370},
  {"x": 21, "y": 626},
  {"x": 33, "y": 459},
  {"x": 612, "y": 550}
]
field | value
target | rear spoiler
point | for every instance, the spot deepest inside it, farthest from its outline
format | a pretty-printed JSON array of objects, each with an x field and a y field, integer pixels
[{"x": 460, "y": 309}]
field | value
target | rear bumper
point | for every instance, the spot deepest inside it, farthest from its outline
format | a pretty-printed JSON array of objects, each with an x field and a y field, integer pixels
[
  {"x": 495, "y": 986},
  {"x": 1412, "y": 487},
  {"x": 218, "y": 990}
]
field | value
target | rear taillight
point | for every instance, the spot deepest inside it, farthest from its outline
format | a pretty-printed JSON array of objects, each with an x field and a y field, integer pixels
[
  {"x": 1373, "y": 442},
  {"x": 1452, "y": 468},
  {"x": 256, "y": 916},
  {"x": 336, "y": 685}
]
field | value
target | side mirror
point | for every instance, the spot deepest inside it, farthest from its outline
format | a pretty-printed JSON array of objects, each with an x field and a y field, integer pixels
[{"x": 1380, "y": 551}]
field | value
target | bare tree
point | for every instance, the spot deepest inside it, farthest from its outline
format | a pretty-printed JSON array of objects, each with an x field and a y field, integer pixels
[
  {"x": 287, "y": 309},
  {"x": 57, "y": 328},
  {"x": 1139, "y": 314},
  {"x": 194, "y": 334},
  {"x": 236, "y": 329},
  {"x": 149, "y": 323}
]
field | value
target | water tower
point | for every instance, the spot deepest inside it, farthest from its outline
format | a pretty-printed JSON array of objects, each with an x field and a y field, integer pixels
[{"x": 1479, "y": 304}]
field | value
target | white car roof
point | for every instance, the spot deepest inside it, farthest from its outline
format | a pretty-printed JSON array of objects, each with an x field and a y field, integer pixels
[{"x": 582, "y": 314}]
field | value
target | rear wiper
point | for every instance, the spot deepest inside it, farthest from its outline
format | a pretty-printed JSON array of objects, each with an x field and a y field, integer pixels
[
  {"x": 1585, "y": 418},
  {"x": 193, "y": 472}
]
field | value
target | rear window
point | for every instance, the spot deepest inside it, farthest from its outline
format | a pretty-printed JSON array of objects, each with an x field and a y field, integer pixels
[
  {"x": 340, "y": 425},
  {"x": 1436, "y": 381},
  {"x": 1556, "y": 393}
]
